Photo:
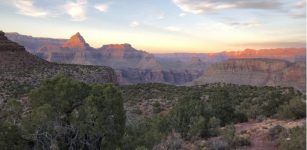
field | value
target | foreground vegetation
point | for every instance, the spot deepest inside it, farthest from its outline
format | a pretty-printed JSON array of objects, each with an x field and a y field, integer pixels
[
  {"x": 200, "y": 111},
  {"x": 66, "y": 114},
  {"x": 250, "y": 102}
]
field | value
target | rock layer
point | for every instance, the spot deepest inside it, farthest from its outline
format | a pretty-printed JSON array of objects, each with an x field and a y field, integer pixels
[
  {"x": 131, "y": 65},
  {"x": 19, "y": 69},
  {"x": 259, "y": 72},
  {"x": 33, "y": 44},
  {"x": 135, "y": 76}
]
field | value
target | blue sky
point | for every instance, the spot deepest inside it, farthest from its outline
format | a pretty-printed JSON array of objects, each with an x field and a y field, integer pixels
[{"x": 163, "y": 25}]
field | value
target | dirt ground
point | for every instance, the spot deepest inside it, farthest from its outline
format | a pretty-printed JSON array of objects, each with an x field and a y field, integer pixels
[{"x": 258, "y": 131}]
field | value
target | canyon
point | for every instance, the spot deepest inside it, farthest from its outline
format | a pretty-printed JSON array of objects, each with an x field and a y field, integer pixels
[
  {"x": 132, "y": 66},
  {"x": 264, "y": 67},
  {"x": 20, "y": 69},
  {"x": 257, "y": 72}
]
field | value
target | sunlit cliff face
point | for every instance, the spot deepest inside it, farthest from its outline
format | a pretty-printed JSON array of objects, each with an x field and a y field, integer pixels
[{"x": 76, "y": 41}]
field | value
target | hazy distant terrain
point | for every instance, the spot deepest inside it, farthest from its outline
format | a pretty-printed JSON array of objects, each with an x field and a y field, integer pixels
[
  {"x": 131, "y": 65},
  {"x": 40, "y": 109},
  {"x": 20, "y": 70},
  {"x": 259, "y": 72},
  {"x": 153, "y": 75},
  {"x": 136, "y": 66}
]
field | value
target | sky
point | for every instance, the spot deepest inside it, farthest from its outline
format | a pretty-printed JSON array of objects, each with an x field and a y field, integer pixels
[{"x": 163, "y": 26}]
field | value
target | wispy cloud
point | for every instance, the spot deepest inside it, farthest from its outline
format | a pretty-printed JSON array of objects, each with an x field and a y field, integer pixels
[
  {"x": 301, "y": 3},
  {"x": 182, "y": 14},
  {"x": 173, "y": 28},
  {"x": 273, "y": 44},
  {"x": 102, "y": 7},
  {"x": 244, "y": 24},
  {"x": 299, "y": 9},
  {"x": 27, "y": 8},
  {"x": 299, "y": 15},
  {"x": 202, "y": 6},
  {"x": 76, "y": 10},
  {"x": 134, "y": 24},
  {"x": 161, "y": 16}
]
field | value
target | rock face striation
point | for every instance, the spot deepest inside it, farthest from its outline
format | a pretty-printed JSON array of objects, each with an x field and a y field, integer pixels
[
  {"x": 259, "y": 72},
  {"x": 76, "y": 41},
  {"x": 19, "y": 70},
  {"x": 32, "y": 44},
  {"x": 136, "y": 76},
  {"x": 289, "y": 54},
  {"x": 131, "y": 65},
  {"x": 136, "y": 66}
]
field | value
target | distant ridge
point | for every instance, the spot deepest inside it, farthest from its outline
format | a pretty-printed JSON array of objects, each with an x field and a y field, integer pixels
[
  {"x": 289, "y": 54},
  {"x": 20, "y": 70},
  {"x": 137, "y": 66},
  {"x": 258, "y": 72},
  {"x": 76, "y": 41}
]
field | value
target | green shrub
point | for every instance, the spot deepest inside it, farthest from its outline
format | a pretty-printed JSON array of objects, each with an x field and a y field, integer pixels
[
  {"x": 141, "y": 148},
  {"x": 66, "y": 114},
  {"x": 137, "y": 110},
  {"x": 295, "y": 141},
  {"x": 218, "y": 144},
  {"x": 172, "y": 142},
  {"x": 147, "y": 133},
  {"x": 229, "y": 134},
  {"x": 277, "y": 132},
  {"x": 241, "y": 141},
  {"x": 214, "y": 124},
  {"x": 294, "y": 109},
  {"x": 156, "y": 107},
  {"x": 11, "y": 138}
]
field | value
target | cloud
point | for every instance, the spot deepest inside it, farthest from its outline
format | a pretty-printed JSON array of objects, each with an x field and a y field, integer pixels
[
  {"x": 202, "y": 6},
  {"x": 299, "y": 10},
  {"x": 182, "y": 14},
  {"x": 76, "y": 10},
  {"x": 102, "y": 7},
  {"x": 161, "y": 16},
  {"x": 134, "y": 24},
  {"x": 298, "y": 15},
  {"x": 301, "y": 4},
  {"x": 244, "y": 24},
  {"x": 173, "y": 28},
  {"x": 26, "y": 7},
  {"x": 273, "y": 44}
]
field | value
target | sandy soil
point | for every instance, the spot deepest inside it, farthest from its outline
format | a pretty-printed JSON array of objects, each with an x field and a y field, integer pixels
[{"x": 258, "y": 131}]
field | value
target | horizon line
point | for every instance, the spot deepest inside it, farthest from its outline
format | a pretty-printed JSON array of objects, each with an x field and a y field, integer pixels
[{"x": 178, "y": 51}]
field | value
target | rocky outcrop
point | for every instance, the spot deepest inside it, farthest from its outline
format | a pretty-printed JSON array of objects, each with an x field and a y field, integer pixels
[
  {"x": 259, "y": 72},
  {"x": 33, "y": 44},
  {"x": 117, "y": 56},
  {"x": 136, "y": 66},
  {"x": 135, "y": 76},
  {"x": 7, "y": 45},
  {"x": 131, "y": 65},
  {"x": 20, "y": 70},
  {"x": 123, "y": 56},
  {"x": 76, "y": 42},
  {"x": 289, "y": 54}
]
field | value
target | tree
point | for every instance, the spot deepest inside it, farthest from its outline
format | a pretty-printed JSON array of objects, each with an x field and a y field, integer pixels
[
  {"x": 10, "y": 133},
  {"x": 296, "y": 140},
  {"x": 68, "y": 114},
  {"x": 223, "y": 107},
  {"x": 294, "y": 109},
  {"x": 187, "y": 116},
  {"x": 10, "y": 137}
]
